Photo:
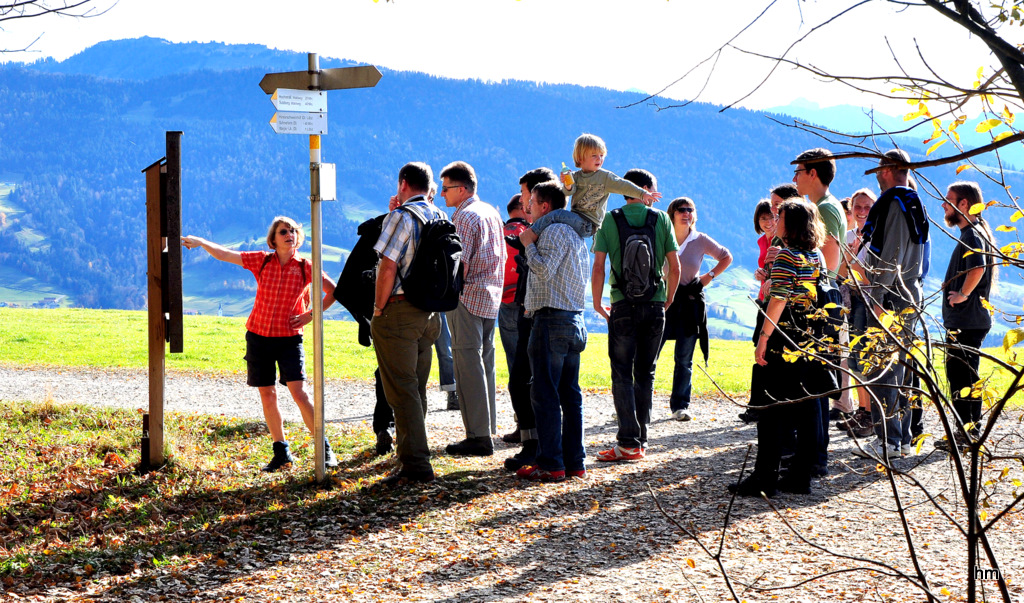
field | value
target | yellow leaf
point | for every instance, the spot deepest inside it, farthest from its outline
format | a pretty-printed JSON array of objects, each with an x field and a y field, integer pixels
[
  {"x": 920, "y": 441},
  {"x": 965, "y": 392},
  {"x": 983, "y": 515},
  {"x": 964, "y": 167},
  {"x": 936, "y": 145},
  {"x": 1017, "y": 215},
  {"x": 1005, "y": 228},
  {"x": 830, "y": 305},
  {"x": 987, "y": 125},
  {"x": 945, "y": 591},
  {"x": 988, "y": 306},
  {"x": 976, "y": 209},
  {"x": 980, "y": 71},
  {"x": 1007, "y": 115},
  {"x": 1012, "y": 338},
  {"x": 898, "y": 90},
  {"x": 691, "y": 563},
  {"x": 1002, "y": 136}
]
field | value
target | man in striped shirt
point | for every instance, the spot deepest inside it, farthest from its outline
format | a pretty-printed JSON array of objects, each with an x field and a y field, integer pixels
[
  {"x": 479, "y": 226},
  {"x": 555, "y": 297}
]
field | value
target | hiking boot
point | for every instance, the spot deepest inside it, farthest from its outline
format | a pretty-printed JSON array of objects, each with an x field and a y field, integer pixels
[
  {"x": 282, "y": 457},
  {"x": 384, "y": 443},
  {"x": 330, "y": 460},
  {"x": 526, "y": 456},
  {"x": 407, "y": 476},
  {"x": 471, "y": 447},
  {"x": 749, "y": 416},
  {"x": 837, "y": 415},
  {"x": 752, "y": 486},
  {"x": 453, "y": 401},
  {"x": 794, "y": 486},
  {"x": 513, "y": 438}
]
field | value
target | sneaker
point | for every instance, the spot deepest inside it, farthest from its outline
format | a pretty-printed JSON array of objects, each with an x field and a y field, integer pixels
[
  {"x": 876, "y": 450},
  {"x": 682, "y": 415},
  {"x": 330, "y": 460},
  {"x": 577, "y": 473},
  {"x": 537, "y": 474},
  {"x": 282, "y": 457},
  {"x": 618, "y": 453},
  {"x": 908, "y": 449},
  {"x": 385, "y": 443},
  {"x": 526, "y": 456},
  {"x": 513, "y": 438},
  {"x": 453, "y": 401},
  {"x": 471, "y": 447}
]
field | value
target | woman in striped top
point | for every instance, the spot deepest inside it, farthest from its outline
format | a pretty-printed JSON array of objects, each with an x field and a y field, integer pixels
[{"x": 791, "y": 298}]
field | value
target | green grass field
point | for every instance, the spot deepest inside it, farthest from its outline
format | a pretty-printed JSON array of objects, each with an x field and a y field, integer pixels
[{"x": 116, "y": 338}]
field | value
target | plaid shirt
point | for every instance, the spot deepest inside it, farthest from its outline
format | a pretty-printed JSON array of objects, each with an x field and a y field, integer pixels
[
  {"x": 281, "y": 292},
  {"x": 483, "y": 256},
  {"x": 559, "y": 270},
  {"x": 399, "y": 236}
]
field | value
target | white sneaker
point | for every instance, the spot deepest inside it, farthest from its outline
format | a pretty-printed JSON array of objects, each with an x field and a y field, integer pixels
[
  {"x": 908, "y": 449},
  {"x": 876, "y": 450},
  {"x": 682, "y": 415}
]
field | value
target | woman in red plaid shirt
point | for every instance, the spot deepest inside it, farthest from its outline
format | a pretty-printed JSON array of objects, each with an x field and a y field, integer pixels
[{"x": 273, "y": 335}]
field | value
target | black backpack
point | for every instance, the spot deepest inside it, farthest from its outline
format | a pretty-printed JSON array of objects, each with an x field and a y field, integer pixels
[
  {"x": 434, "y": 281},
  {"x": 639, "y": 279}
]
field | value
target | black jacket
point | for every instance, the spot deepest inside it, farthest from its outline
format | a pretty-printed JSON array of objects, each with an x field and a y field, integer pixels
[{"x": 355, "y": 290}]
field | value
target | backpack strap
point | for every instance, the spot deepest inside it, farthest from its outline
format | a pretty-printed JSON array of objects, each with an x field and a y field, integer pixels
[{"x": 270, "y": 256}]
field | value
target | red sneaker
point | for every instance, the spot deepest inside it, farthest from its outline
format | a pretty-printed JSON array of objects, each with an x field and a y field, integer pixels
[
  {"x": 618, "y": 453},
  {"x": 577, "y": 473},
  {"x": 537, "y": 474}
]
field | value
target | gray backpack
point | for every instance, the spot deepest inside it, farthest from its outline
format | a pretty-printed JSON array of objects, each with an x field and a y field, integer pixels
[{"x": 638, "y": 278}]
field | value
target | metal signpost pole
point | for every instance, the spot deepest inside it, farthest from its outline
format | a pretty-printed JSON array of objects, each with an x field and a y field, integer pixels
[
  {"x": 317, "y": 284},
  {"x": 302, "y": 109}
]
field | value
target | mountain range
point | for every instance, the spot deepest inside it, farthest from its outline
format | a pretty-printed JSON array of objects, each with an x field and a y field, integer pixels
[{"x": 75, "y": 135}]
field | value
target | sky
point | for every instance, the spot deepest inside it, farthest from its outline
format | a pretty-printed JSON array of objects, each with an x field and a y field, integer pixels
[{"x": 621, "y": 44}]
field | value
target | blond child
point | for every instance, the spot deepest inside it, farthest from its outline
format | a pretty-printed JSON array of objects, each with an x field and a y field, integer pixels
[{"x": 590, "y": 190}]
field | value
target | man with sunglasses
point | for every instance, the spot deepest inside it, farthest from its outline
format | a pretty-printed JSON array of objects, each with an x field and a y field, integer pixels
[{"x": 480, "y": 228}]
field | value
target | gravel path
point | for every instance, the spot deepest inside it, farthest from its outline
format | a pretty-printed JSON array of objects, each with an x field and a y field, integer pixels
[{"x": 599, "y": 539}]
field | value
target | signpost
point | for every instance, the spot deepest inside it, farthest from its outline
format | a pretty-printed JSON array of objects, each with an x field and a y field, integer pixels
[
  {"x": 302, "y": 105},
  {"x": 163, "y": 236}
]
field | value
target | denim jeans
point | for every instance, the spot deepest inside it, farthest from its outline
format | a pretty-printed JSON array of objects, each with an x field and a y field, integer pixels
[
  {"x": 682, "y": 374},
  {"x": 520, "y": 380},
  {"x": 445, "y": 366},
  {"x": 894, "y": 418},
  {"x": 557, "y": 338},
  {"x": 634, "y": 339},
  {"x": 508, "y": 330}
]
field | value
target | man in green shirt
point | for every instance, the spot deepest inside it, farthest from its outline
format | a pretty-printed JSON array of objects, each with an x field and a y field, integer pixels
[
  {"x": 814, "y": 172},
  {"x": 639, "y": 294}
]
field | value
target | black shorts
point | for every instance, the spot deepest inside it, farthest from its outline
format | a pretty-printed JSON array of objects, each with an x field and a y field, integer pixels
[{"x": 264, "y": 354}]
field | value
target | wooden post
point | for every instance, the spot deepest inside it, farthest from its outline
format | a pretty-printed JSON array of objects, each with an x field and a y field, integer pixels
[{"x": 155, "y": 245}]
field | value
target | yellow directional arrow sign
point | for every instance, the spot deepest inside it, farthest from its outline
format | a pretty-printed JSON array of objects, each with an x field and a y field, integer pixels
[
  {"x": 285, "y": 122},
  {"x": 339, "y": 78}
]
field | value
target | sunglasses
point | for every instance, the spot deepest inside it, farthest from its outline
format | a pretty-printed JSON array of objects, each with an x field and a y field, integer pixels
[
  {"x": 685, "y": 210},
  {"x": 445, "y": 189},
  {"x": 285, "y": 231}
]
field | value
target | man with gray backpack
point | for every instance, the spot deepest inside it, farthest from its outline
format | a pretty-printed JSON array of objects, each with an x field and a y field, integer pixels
[{"x": 639, "y": 241}]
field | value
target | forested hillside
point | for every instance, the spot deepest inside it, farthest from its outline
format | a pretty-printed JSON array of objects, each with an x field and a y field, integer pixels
[{"x": 75, "y": 135}]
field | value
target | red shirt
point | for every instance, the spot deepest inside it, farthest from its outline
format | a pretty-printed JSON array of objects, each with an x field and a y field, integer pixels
[
  {"x": 281, "y": 292},
  {"x": 514, "y": 227}
]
